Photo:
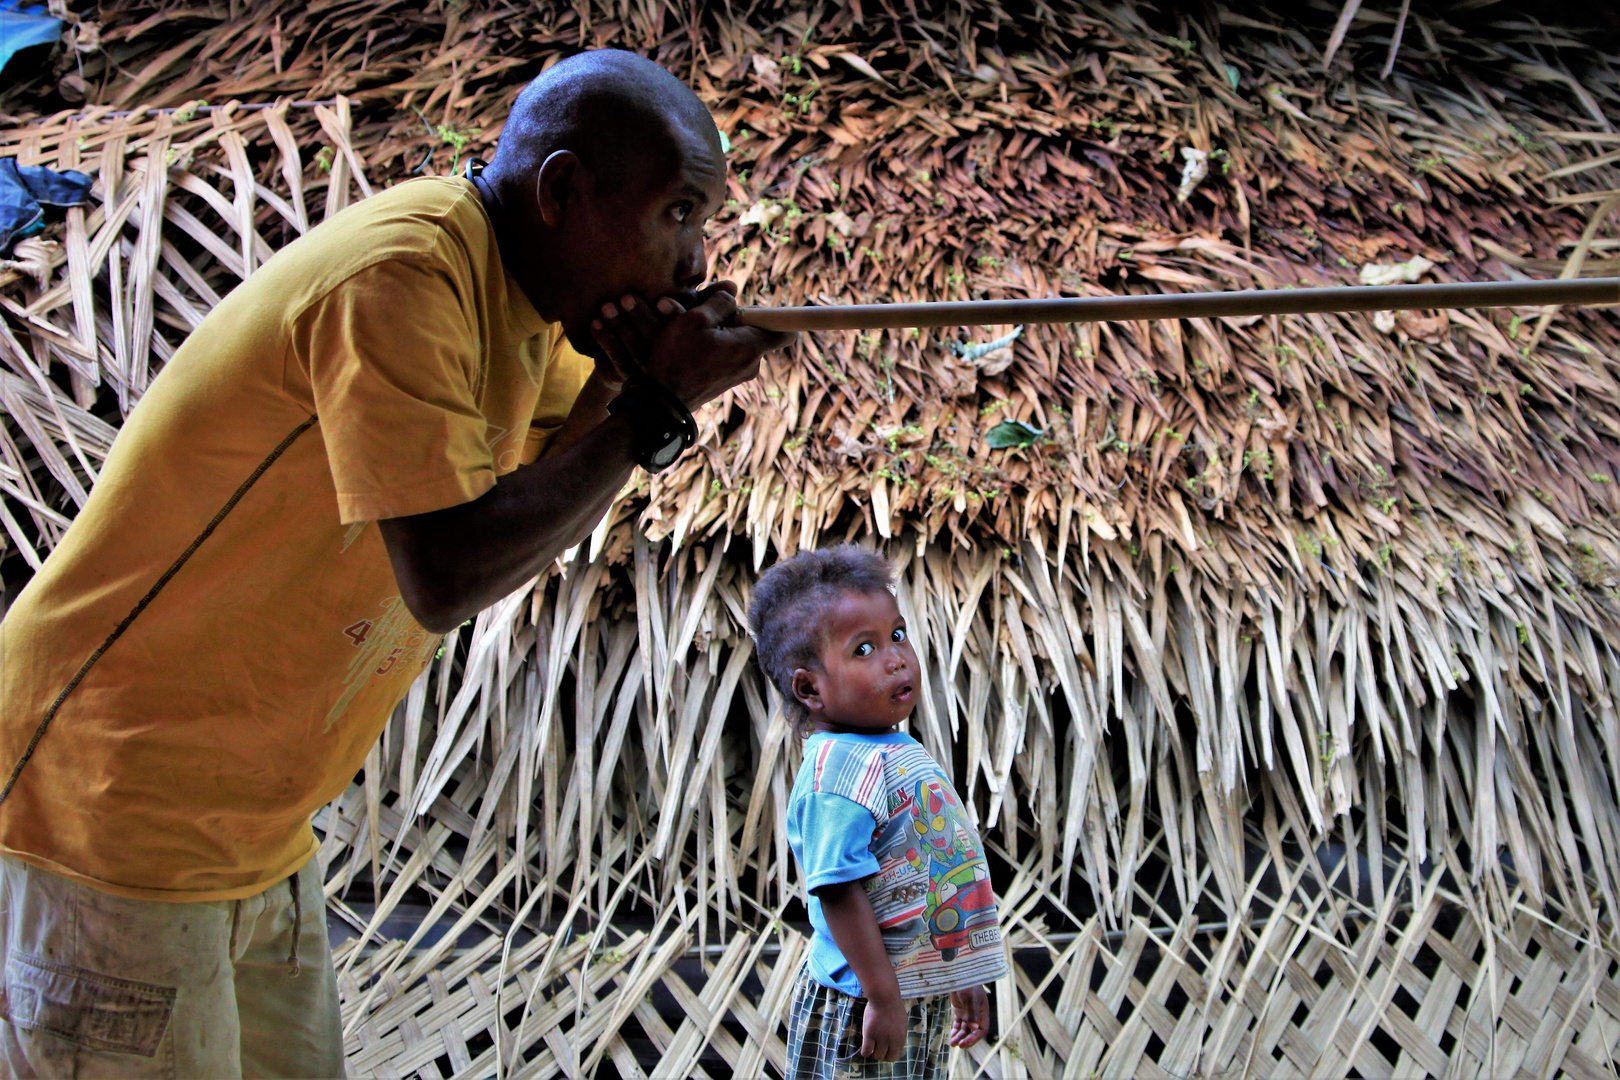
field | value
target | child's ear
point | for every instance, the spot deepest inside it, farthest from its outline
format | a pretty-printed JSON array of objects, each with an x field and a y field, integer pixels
[{"x": 805, "y": 689}]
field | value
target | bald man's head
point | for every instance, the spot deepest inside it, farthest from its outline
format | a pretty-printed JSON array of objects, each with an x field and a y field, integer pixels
[
  {"x": 627, "y": 118},
  {"x": 606, "y": 171}
]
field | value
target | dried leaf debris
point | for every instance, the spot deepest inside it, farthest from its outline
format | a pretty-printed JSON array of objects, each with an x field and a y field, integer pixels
[{"x": 1241, "y": 599}]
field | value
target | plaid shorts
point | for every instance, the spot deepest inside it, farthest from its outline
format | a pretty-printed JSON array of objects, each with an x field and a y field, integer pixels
[{"x": 824, "y": 1037}]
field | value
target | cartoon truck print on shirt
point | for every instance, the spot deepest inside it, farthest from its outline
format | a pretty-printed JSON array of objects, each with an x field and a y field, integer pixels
[
  {"x": 964, "y": 915},
  {"x": 961, "y": 905}
]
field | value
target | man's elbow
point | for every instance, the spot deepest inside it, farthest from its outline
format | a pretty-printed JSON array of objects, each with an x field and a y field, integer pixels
[
  {"x": 438, "y": 612},
  {"x": 431, "y": 592}
]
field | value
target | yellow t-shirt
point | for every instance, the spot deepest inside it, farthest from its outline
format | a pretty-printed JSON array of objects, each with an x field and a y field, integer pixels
[{"x": 219, "y": 639}]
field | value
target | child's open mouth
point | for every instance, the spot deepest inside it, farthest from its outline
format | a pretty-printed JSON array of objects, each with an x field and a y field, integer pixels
[{"x": 902, "y": 695}]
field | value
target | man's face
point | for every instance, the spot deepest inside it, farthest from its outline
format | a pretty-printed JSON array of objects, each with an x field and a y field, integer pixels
[{"x": 644, "y": 239}]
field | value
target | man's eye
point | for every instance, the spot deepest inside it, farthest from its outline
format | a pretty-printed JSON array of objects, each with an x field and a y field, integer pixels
[
  {"x": 682, "y": 211},
  {"x": 864, "y": 649},
  {"x": 899, "y": 634}
]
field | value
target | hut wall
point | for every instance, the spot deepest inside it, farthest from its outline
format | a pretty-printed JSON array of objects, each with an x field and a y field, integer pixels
[{"x": 1277, "y": 663}]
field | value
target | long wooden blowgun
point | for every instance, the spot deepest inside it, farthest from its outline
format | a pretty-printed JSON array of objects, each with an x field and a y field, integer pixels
[{"x": 1187, "y": 305}]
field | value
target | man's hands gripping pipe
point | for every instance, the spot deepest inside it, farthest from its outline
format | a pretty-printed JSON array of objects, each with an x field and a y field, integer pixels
[
  {"x": 690, "y": 344},
  {"x": 452, "y": 563}
]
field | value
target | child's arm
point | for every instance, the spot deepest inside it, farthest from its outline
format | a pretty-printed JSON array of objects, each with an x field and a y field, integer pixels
[
  {"x": 855, "y": 930},
  {"x": 970, "y": 1016}
]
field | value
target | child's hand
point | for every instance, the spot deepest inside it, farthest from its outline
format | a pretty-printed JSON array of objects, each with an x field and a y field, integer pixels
[
  {"x": 883, "y": 1031},
  {"x": 970, "y": 1016}
]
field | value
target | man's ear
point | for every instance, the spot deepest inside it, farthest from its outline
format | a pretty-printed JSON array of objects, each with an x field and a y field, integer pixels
[
  {"x": 805, "y": 689},
  {"x": 557, "y": 185}
]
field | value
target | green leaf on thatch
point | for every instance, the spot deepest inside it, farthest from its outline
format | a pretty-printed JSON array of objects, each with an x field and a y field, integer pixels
[{"x": 1012, "y": 433}]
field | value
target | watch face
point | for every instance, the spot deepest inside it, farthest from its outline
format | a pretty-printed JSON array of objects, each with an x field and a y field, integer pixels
[{"x": 666, "y": 454}]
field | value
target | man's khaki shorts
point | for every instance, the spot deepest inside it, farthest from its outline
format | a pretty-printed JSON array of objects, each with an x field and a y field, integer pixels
[{"x": 99, "y": 985}]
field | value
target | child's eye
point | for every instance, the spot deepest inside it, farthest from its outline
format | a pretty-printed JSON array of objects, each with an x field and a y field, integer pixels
[
  {"x": 899, "y": 634},
  {"x": 864, "y": 649}
]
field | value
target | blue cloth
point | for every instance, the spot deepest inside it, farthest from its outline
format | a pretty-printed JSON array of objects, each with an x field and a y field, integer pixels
[
  {"x": 25, "y": 191},
  {"x": 831, "y": 837},
  {"x": 22, "y": 26}
]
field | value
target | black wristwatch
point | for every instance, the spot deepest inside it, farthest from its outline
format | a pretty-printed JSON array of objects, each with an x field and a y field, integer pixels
[{"x": 662, "y": 424}]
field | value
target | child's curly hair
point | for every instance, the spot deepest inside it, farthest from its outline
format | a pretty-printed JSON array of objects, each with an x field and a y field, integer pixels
[{"x": 785, "y": 617}]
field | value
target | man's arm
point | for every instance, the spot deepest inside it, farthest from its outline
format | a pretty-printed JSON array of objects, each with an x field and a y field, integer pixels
[
  {"x": 452, "y": 563},
  {"x": 855, "y": 930},
  {"x": 588, "y": 411}
]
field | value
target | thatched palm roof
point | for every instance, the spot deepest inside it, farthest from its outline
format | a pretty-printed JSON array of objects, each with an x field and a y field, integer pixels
[{"x": 1259, "y": 593}]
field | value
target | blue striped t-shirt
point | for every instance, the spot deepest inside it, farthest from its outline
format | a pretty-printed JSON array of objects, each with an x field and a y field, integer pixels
[{"x": 878, "y": 809}]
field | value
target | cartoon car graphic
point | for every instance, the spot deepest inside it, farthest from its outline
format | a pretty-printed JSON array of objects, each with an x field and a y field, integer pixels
[{"x": 962, "y": 909}]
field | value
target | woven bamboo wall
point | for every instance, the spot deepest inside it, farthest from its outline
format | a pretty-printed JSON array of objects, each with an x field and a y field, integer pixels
[{"x": 1273, "y": 785}]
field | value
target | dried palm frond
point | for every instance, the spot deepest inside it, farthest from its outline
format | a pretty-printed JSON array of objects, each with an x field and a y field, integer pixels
[{"x": 1278, "y": 662}]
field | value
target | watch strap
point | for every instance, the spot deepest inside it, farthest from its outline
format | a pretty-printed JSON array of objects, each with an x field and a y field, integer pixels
[{"x": 659, "y": 418}]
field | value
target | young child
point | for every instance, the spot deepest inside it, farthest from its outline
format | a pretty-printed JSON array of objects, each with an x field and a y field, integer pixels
[{"x": 900, "y": 901}]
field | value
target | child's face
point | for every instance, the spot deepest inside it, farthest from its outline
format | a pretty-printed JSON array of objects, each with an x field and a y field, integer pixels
[{"x": 868, "y": 676}]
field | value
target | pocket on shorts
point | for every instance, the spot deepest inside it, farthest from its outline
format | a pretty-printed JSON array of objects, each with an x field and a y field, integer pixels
[{"x": 85, "y": 1007}]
